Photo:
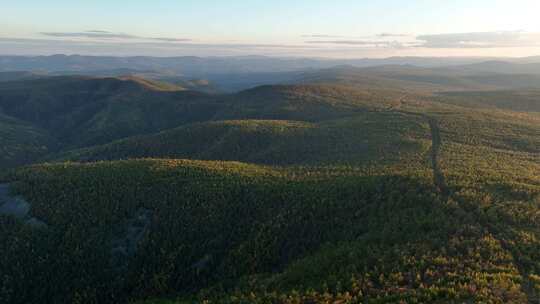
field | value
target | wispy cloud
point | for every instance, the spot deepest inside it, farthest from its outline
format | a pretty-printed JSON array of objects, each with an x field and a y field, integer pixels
[
  {"x": 23, "y": 46},
  {"x": 480, "y": 40},
  {"x": 166, "y": 39},
  {"x": 322, "y": 36},
  {"x": 98, "y": 31},
  {"x": 382, "y": 40},
  {"x": 473, "y": 40},
  {"x": 389, "y": 35},
  {"x": 364, "y": 43},
  {"x": 89, "y": 34},
  {"x": 356, "y": 42},
  {"x": 99, "y": 34},
  {"x": 101, "y": 42},
  {"x": 347, "y": 42}
]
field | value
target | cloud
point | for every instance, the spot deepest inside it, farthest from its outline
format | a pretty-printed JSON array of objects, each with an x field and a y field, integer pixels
[
  {"x": 99, "y": 34},
  {"x": 25, "y": 46},
  {"x": 387, "y": 35},
  {"x": 382, "y": 40},
  {"x": 480, "y": 40},
  {"x": 347, "y": 42},
  {"x": 166, "y": 39},
  {"x": 101, "y": 42},
  {"x": 472, "y": 40},
  {"x": 97, "y": 31},
  {"x": 350, "y": 42},
  {"x": 363, "y": 43},
  {"x": 89, "y": 34},
  {"x": 322, "y": 36}
]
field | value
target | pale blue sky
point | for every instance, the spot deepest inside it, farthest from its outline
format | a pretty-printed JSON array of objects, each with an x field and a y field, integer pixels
[{"x": 340, "y": 25}]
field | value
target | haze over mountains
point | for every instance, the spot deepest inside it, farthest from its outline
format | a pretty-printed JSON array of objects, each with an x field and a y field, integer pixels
[
  {"x": 216, "y": 65},
  {"x": 214, "y": 74}
]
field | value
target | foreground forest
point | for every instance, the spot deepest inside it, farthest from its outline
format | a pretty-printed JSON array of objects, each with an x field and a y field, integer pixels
[{"x": 384, "y": 185}]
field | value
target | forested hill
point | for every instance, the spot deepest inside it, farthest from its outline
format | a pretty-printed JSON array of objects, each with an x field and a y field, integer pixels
[
  {"x": 73, "y": 111},
  {"x": 326, "y": 192}
]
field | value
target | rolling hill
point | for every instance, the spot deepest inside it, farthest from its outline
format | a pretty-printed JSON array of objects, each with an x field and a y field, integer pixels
[
  {"x": 500, "y": 67},
  {"x": 382, "y": 232},
  {"x": 413, "y": 78},
  {"x": 364, "y": 138},
  {"x": 83, "y": 111},
  {"x": 19, "y": 75},
  {"x": 357, "y": 186},
  {"x": 514, "y": 100}
]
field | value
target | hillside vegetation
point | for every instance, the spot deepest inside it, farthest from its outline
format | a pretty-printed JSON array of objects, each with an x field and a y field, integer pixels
[
  {"x": 364, "y": 138},
  {"x": 329, "y": 192},
  {"x": 412, "y": 78},
  {"x": 22, "y": 143},
  {"x": 82, "y": 111},
  {"x": 522, "y": 100}
]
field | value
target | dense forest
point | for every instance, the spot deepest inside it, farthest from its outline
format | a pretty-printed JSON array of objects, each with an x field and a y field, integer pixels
[{"x": 348, "y": 185}]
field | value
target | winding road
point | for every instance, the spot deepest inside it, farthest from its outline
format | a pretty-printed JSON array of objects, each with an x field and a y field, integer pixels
[
  {"x": 436, "y": 142},
  {"x": 527, "y": 287},
  {"x": 438, "y": 176}
]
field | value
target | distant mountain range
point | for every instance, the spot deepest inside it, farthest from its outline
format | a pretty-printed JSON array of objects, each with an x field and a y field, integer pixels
[
  {"x": 219, "y": 74},
  {"x": 202, "y": 66}
]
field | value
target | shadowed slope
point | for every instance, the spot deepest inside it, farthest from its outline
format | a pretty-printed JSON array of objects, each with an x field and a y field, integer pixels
[
  {"x": 365, "y": 137},
  {"x": 21, "y": 143},
  {"x": 82, "y": 111}
]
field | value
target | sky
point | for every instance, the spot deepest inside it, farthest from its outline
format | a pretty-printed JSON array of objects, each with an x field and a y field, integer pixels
[{"x": 305, "y": 28}]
